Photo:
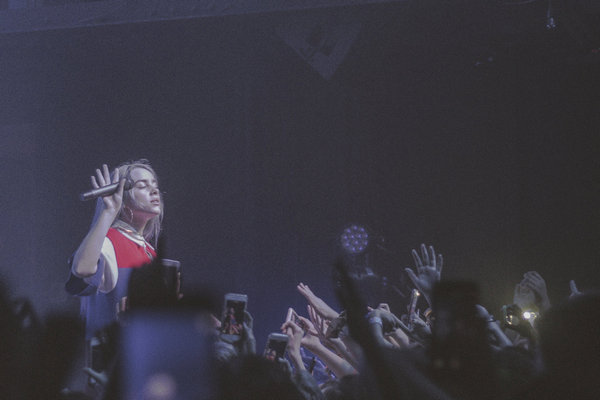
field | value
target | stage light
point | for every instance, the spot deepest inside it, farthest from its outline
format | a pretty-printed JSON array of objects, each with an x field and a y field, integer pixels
[{"x": 354, "y": 239}]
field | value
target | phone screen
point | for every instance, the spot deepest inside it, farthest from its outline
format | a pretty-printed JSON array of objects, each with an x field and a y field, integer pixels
[
  {"x": 172, "y": 275},
  {"x": 232, "y": 323},
  {"x": 276, "y": 345}
]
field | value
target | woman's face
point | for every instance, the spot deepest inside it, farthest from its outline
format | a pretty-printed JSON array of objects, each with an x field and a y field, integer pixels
[{"x": 144, "y": 193}]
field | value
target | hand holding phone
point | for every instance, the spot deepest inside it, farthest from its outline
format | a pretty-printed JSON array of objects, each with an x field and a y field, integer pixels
[
  {"x": 292, "y": 315},
  {"x": 275, "y": 347}
]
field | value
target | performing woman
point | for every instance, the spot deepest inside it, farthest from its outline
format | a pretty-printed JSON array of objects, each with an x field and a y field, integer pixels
[{"x": 122, "y": 237}]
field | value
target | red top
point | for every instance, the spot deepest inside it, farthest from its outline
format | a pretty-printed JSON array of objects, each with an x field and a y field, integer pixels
[{"x": 129, "y": 253}]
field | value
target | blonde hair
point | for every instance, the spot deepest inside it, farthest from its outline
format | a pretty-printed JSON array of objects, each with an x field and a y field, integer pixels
[{"x": 153, "y": 227}]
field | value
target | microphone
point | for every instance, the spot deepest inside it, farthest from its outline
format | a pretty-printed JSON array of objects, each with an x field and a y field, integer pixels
[{"x": 103, "y": 191}]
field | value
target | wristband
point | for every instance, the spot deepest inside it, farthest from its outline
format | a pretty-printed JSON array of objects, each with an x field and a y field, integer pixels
[{"x": 375, "y": 320}]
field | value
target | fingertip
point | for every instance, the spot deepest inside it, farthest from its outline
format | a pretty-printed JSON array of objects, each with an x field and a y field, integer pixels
[{"x": 121, "y": 187}]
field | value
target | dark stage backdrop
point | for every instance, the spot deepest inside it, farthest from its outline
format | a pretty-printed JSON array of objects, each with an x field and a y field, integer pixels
[{"x": 425, "y": 133}]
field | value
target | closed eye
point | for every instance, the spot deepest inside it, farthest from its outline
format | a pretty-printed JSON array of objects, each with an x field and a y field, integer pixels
[{"x": 143, "y": 184}]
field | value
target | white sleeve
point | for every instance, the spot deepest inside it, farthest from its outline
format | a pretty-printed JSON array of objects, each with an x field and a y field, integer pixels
[{"x": 111, "y": 271}]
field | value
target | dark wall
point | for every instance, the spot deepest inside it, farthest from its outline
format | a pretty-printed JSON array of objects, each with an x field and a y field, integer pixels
[{"x": 264, "y": 161}]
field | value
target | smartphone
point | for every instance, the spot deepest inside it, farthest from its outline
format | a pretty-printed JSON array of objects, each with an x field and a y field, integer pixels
[
  {"x": 292, "y": 316},
  {"x": 172, "y": 275},
  {"x": 275, "y": 347},
  {"x": 511, "y": 315},
  {"x": 232, "y": 321}
]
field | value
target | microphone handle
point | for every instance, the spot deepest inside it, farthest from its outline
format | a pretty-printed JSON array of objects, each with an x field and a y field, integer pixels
[{"x": 103, "y": 191}]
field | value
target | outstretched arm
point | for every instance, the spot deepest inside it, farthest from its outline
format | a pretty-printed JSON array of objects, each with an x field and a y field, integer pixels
[
  {"x": 537, "y": 284},
  {"x": 85, "y": 260}
]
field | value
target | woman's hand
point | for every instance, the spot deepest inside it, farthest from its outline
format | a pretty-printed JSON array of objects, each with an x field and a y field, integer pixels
[
  {"x": 295, "y": 334},
  {"x": 320, "y": 324},
  {"x": 112, "y": 203},
  {"x": 535, "y": 282},
  {"x": 532, "y": 290},
  {"x": 85, "y": 260},
  {"x": 317, "y": 303},
  {"x": 311, "y": 336},
  {"x": 429, "y": 270},
  {"x": 523, "y": 296}
]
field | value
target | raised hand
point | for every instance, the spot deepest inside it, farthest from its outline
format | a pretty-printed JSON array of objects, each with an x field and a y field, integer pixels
[
  {"x": 85, "y": 260},
  {"x": 113, "y": 202},
  {"x": 317, "y": 303},
  {"x": 389, "y": 321},
  {"x": 295, "y": 335},
  {"x": 311, "y": 336},
  {"x": 318, "y": 322},
  {"x": 524, "y": 297},
  {"x": 429, "y": 270},
  {"x": 537, "y": 284}
]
